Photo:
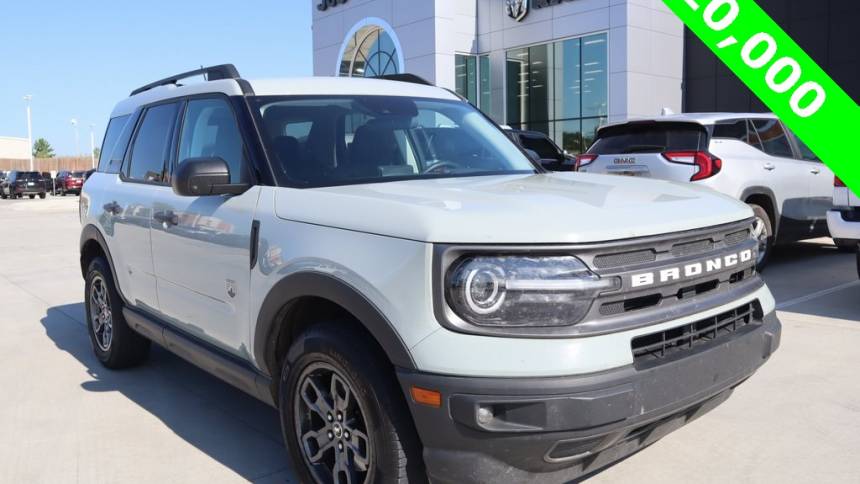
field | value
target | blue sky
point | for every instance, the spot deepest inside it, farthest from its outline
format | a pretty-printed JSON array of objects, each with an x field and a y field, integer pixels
[{"x": 78, "y": 58}]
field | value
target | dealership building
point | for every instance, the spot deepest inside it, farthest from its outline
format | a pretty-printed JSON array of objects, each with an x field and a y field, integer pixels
[{"x": 564, "y": 67}]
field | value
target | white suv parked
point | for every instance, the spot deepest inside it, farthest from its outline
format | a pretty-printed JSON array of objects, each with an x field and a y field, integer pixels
[
  {"x": 379, "y": 262},
  {"x": 751, "y": 157},
  {"x": 844, "y": 219}
]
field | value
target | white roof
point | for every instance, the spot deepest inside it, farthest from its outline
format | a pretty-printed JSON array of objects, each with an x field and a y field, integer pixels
[
  {"x": 701, "y": 118},
  {"x": 299, "y": 86}
]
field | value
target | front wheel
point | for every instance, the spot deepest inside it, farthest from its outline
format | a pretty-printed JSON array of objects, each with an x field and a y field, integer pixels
[
  {"x": 343, "y": 415},
  {"x": 115, "y": 344},
  {"x": 763, "y": 232},
  {"x": 43, "y": 195},
  {"x": 32, "y": 196}
]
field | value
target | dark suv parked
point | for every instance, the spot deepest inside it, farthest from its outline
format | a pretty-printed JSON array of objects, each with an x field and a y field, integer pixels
[
  {"x": 20, "y": 183},
  {"x": 69, "y": 182},
  {"x": 547, "y": 152}
]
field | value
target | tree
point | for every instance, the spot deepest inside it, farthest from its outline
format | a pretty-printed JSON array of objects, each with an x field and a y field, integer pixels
[
  {"x": 42, "y": 149},
  {"x": 97, "y": 152}
]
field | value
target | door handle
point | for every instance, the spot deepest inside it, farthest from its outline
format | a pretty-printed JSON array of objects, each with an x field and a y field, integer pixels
[
  {"x": 112, "y": 208},
  {"x": 814, "y": 171},
  {"x": 769, "y": 166},
  {"x": 167, "y": 218}
]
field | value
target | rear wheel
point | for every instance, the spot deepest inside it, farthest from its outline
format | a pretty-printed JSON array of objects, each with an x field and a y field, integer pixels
[
  {"x": 763, "y": 232},
  {"x": 32, "y": 196},
  {"x": 343, "y": 415},
  {"x": 114, "y": 343},
  {"x": 43, "y": 195}
]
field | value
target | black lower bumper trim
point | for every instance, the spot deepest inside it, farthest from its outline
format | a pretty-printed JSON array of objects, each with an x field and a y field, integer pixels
[{"x": 558, "y": 429}]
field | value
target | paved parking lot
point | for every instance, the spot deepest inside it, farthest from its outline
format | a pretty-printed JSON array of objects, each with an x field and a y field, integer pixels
[{"x": 63, "y": 418}]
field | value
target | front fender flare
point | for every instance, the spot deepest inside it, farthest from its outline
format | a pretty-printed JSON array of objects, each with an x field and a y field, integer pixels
[{"x": 328, "y": 287}]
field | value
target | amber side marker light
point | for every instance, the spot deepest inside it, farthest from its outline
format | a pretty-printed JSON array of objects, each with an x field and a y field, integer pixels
[{"x": 423, "y": 396}]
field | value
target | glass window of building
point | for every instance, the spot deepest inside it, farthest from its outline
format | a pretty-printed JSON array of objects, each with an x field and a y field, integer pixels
[
  {"x": 484, "y": 86},
  {"x": 370, "y": 52},
  {"x": 472, "y": 79},
  {"x": 560, "y": 89},
  {"x": 466, "y": 77}
]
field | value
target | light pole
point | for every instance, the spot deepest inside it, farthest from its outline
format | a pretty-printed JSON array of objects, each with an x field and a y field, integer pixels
[
  {"x": 93, "y": 144},
  {"x": 74, "y": 123},
  {"x": 27, "y": 98}
]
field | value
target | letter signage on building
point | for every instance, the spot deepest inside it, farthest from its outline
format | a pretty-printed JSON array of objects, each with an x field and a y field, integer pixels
[
  {"x": 326, "y": 4},
  {"x": 518, "y": 9}
]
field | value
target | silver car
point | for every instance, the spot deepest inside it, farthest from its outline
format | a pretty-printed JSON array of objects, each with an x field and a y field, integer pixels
[{"x": 751, "y": 157}]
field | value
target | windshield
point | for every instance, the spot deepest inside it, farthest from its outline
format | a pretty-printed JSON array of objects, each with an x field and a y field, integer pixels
[
  {"x": 650, "y": 138},
  {"x": 28, "y": 175},
  {"x": 77, "y": 174},
  {"x": 324, "y": 141}
]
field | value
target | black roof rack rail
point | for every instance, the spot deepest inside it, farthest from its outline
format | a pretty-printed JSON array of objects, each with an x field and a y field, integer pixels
[
  {"x": 213, "y": 73},
  {"x": 405, "y": 77}
]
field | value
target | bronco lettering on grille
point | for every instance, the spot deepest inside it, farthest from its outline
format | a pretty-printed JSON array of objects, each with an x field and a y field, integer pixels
[{"x": 688, "y": 271}]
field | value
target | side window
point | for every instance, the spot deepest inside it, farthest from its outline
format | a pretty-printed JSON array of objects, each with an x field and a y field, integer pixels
[
  {"x": 753, "y": 138},
  {"x": 773, "y": 138},
  {"x": 112, "y": 135},
  {"x": 210, "y": 130},
  {"x": 735, "y": 129},
  {"x": 805, "y": 152},
  {"x": 150, "y": 149}
]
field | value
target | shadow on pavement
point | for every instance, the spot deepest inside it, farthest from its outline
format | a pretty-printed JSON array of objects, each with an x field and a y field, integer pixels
[
  {"x": 809, "y": 267},
  {"x": 229, "y": 426}
]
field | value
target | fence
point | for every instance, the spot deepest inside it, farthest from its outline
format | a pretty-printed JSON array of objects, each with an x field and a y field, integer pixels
[{"x": 71, "y": 163}]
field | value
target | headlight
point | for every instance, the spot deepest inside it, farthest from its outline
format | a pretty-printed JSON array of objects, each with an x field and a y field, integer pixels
[{"x": 518, "y": 291}]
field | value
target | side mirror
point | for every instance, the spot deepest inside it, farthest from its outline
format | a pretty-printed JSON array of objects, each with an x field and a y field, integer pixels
[{"x": 200, "y": 177}]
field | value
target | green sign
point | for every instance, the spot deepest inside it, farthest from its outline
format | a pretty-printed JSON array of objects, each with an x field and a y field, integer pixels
[{"x": 787, "y": 80}]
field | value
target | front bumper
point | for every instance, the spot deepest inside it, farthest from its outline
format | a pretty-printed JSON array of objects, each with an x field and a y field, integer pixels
[
  {"x": 561, "y": 428},
  {"x": 842, "y": 228}
]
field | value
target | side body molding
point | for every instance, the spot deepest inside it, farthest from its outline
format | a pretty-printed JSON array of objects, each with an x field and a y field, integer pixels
[{"x": 328, "y": 287}]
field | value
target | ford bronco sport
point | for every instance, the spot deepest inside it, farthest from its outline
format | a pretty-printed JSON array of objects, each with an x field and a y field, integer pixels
[{"x": 379, "y": 262}]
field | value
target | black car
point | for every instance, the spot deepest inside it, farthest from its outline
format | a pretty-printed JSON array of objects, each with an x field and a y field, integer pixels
[
  {"x": 49, "y": 181},
  {"x": 20, "y": 183},
  {"x": 543, "y": 149}
]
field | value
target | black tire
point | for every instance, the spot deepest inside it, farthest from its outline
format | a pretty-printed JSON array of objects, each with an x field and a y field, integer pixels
[
  {"x": 43, "y": 195},
  {"x": 765, "y": 243},
  {"x": 62, "y": 192},
  {"x": 341, "y": 351},
  {"x": 123, "y": 348},
  {"x": 846, "y": 245},
  {"x": 32, "y": 196},
  {"x": 3, "y": 196}
]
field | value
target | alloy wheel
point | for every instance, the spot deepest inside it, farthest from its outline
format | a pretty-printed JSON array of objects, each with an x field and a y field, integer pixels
[
  {"x": 331, "y": 427},
  {"x": 761, "y": 235},
  {"x": 101, "y": 317}
]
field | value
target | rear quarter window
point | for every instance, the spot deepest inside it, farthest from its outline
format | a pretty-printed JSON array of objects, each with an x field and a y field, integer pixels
[
  {"x": 650, "y": 138},
  {"x": 115, "y": 144}
]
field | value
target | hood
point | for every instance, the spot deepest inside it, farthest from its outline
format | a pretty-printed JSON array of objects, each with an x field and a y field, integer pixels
[{"x": 513, "y": 209}]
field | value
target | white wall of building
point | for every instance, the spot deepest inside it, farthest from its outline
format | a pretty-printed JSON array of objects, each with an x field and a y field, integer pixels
[
  {"x": 645, "y": 42},
  {"x": 14, "y": 148}
]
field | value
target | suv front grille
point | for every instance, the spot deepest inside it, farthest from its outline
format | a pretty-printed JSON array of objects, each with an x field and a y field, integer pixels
[{"x": 681, "y": 339}]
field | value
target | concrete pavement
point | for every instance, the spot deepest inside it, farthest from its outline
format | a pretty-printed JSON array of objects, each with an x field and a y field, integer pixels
[{"x": 63, "y": 418}]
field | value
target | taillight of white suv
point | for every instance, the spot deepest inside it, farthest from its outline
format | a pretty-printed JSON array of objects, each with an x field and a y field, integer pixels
[
  {"x": 708, "y": 164},
  {"x": 584, "y": 160}
]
